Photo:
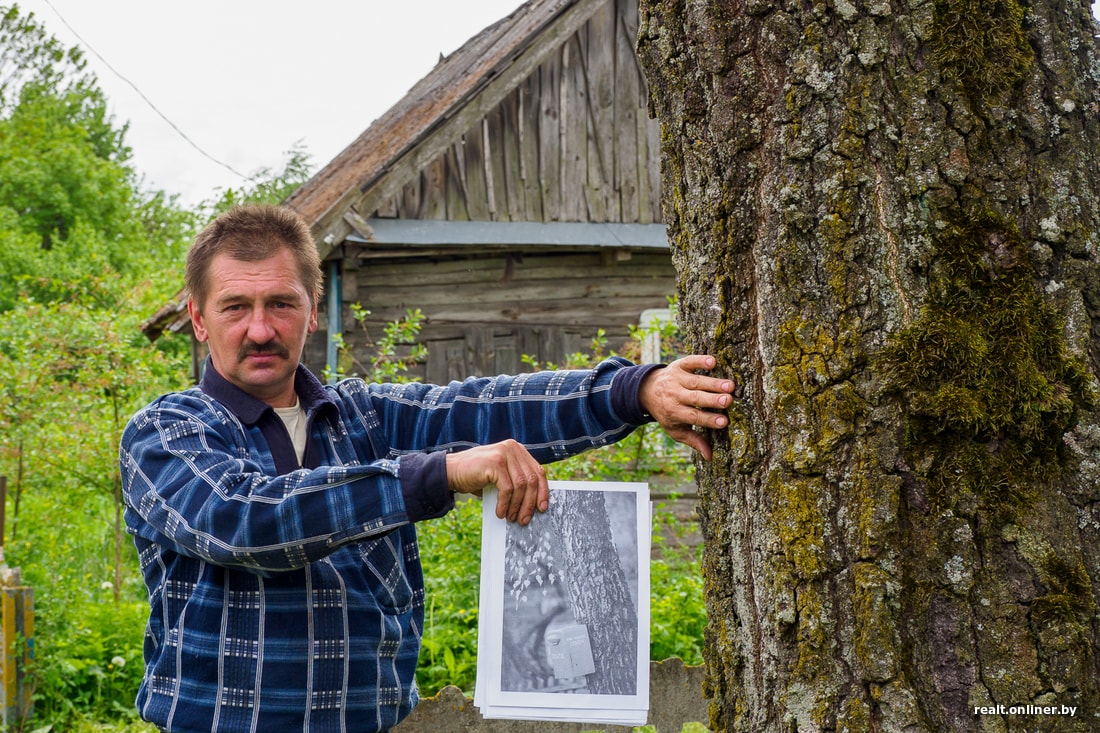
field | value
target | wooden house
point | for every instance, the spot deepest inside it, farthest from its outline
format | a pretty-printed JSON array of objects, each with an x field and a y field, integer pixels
[{"x": 512, "y": 196}]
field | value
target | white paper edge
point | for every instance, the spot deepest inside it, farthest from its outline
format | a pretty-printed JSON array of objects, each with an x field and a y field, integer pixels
[{"x": 495, "y": 702}]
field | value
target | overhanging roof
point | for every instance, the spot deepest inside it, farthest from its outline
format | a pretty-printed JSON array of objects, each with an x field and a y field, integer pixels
[
  {"x": 427, "y": 232},
  {"x": 437, "y": 110}
]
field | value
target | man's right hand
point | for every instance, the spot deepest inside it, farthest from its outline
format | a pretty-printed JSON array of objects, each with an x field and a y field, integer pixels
[{"x": 519, "y": 479}]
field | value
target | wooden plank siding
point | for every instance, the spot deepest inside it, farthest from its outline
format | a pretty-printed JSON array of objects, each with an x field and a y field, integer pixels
[
  {"x": 530, "y": 153},
  {"x": 560, "y": 135},
  {"x": 487, "y": 309},
  {"x": 572, "y": 142}
]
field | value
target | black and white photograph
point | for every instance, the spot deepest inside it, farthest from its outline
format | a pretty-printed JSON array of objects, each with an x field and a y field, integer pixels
[{"x": 565, "y": 612}]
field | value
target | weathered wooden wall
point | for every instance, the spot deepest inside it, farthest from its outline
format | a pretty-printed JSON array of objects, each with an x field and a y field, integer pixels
[
  {"x": 573, "y": 142},
  {"x": 487, "y": 309}
]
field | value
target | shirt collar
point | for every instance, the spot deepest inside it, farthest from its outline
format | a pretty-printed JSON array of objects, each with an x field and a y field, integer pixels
[{"x": 248, "y": 409}]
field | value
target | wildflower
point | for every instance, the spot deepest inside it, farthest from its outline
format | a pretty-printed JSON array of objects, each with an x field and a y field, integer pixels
[
  {"x": 118, "y": 661},
  {"x": 107, "y": 585}
]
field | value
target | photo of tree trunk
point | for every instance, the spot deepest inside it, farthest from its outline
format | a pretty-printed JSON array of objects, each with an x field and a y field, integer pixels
[
  {"x": 570, "y": 605},
  {"x": 563, "y": 630}
]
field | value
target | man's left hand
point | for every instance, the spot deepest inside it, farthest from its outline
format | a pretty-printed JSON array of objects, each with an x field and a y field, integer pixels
[{"x": 681, "y": 400}]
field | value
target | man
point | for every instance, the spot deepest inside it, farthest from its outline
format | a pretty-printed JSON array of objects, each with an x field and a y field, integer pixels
[{"x": 273, "y": 516}]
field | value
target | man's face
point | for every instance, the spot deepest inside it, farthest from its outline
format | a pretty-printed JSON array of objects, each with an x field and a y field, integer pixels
[{"x": 255, "y": 320}]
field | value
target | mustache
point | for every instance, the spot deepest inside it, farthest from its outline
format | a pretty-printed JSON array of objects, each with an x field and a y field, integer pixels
[{"x": 271, "y": 347}]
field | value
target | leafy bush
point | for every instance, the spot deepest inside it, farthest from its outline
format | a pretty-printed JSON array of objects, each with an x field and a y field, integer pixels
[
  {"x": 450, "y": 550},
  {"x": 677, "y": 611},
  {"x": 89, "y": 663}
]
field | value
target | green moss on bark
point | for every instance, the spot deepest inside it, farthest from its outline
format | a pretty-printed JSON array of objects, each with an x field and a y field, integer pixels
[
  {"x": 989, "y": 385},
  {"x": 1069, "y": 596},
  {"x": 983, "y": 43}
]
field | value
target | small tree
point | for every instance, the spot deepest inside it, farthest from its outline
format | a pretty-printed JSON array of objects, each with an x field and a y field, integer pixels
[
  {"x": 31, "y": 57},
  {"x": 385, "y": 362}
]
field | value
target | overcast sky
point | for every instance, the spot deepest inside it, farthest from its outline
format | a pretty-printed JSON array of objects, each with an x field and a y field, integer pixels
[{"x": 246, "y": 80}]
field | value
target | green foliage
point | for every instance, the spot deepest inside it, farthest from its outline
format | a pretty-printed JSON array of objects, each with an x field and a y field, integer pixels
[
  {"x": 89, "y": 666},
  {"x": 678, "y": 613},
  {"x": 70, "y": 209},
  {"x": 30, "y": 56},
  {"x": 386, "y": 363},
  {"x": 450, "y": 550},
  {"x": 989, "y": 384},
  {"x": 265, "y": 186},
  {"x": 61, "y": 162}
]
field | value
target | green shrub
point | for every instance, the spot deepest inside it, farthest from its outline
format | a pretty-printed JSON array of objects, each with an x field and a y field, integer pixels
[
  {"x": 450, "y": 550},
  {"x": 677, "y": 611},
  {"x": 89, "y": 663}
]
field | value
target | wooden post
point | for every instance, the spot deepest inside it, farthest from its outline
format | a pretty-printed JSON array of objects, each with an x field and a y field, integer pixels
[
  {"x": 17, "y": 622},
  {"x": 16, "y": 636}
]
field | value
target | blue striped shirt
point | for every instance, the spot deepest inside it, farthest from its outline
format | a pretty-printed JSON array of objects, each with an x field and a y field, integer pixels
[{"x": 286, "y": 597}]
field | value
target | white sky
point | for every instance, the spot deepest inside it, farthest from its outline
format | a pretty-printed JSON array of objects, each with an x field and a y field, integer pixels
[{"x": 247, "y": 79}]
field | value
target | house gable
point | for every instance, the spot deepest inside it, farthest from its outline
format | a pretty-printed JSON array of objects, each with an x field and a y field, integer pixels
[
  {"x": 527, "y": 219},
  {"x": 541, "y": 117},
  {"x": 513, "y": 195},
  {"x": 570, "y": 142}
]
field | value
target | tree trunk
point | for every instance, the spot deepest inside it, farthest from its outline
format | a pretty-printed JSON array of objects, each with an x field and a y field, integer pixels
[
  {"x": 598, "y": 589},
  {"x": 886, "y": 220}
]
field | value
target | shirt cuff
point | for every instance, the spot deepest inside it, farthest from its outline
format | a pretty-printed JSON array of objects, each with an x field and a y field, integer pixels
[
  {"x": 624, "y": 393},
  {"x": 424, "y": 485}
]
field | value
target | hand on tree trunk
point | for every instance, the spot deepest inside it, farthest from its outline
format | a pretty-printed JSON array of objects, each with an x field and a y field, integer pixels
[{"x": 680, "y": 400}]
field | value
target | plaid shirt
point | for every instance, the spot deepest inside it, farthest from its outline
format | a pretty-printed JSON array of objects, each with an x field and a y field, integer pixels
[{"x": 288, "y": 598}]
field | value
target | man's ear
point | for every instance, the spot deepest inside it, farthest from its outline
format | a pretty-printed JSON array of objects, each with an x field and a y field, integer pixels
[
  {"x": 196, "y": 320},
  {"x": 313, "y": 318}
]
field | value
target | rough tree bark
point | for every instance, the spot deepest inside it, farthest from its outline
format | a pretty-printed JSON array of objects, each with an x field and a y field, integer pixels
[
  {"x": 598, "y": 588},
  {"x": 886, "y": 220}
]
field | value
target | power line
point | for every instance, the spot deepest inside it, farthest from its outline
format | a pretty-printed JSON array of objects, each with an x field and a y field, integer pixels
[{"x": 149, "y": 102}]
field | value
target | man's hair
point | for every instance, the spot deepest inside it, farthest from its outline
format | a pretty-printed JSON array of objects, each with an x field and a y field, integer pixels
[{"x": 250, "y": 233}]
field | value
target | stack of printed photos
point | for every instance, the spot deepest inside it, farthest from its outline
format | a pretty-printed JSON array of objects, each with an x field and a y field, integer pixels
[{"x": 563, "y": 629}]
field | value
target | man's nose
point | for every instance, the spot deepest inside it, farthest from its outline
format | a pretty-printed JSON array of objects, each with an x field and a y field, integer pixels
[{"x": 259, "y": 329}]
